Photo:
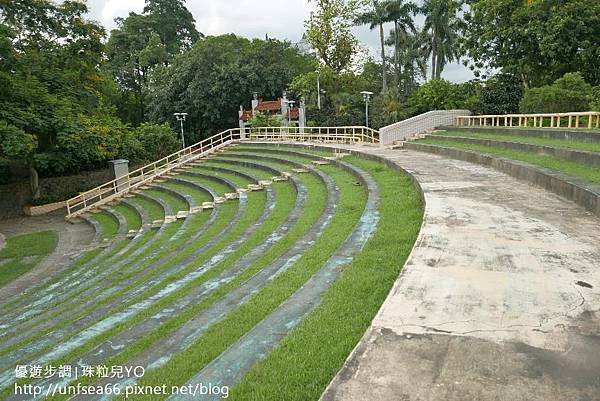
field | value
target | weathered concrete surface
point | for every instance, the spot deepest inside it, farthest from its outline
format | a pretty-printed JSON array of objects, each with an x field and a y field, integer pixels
[
  {"x": 583, "y": 193},
  {"x": 499, "y": 300},
  {"x": 72, "y": 239}
]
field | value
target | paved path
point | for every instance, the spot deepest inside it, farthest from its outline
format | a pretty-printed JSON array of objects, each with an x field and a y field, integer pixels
[
  {"x": 72, "y": 239},
  {"x": 500, "y": 299}
]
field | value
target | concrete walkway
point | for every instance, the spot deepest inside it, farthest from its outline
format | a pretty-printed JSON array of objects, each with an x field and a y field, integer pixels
[
  {"x": 500, "y": 299},
  {"x": 72, "y": 240}
]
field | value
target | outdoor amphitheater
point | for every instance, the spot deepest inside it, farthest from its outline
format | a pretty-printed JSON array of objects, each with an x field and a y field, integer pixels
[{"x": 448, "y": 257}]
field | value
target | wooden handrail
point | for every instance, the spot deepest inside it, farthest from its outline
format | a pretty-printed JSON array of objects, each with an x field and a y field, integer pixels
[{"x": 535, "y": 120}]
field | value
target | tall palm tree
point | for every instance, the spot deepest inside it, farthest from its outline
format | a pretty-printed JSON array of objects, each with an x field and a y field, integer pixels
[
  {"x": 442, "y": 23},
  {"x": 375, "y": 17},
  {"x": 401, "y": 14},
  {"x": 412, "y": 58}
]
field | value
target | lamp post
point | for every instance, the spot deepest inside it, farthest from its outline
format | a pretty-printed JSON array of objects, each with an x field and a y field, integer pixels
[
  {"x": 318, "y": 89},
  {"x": 290, "y": 104},
  {"x": 367, "y": 98},
  {"x": 181, "y": 118}
]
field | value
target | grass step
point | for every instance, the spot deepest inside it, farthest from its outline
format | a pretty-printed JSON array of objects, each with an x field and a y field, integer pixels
[
  {"x": 574, "y": 169},
  {"x": 570, "y": 142},
  {"x": 577, "y": 156}
]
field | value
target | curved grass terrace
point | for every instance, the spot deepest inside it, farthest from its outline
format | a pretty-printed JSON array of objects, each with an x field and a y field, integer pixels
[{"x": 267, "y": 293}]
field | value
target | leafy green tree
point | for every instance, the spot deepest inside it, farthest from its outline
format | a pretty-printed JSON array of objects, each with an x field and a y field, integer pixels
[
  {"x": 595, "y": 103},
  {"x": 328, "y": 32},
  {"x": 49, "y": 77},
  {"x": 218, "y": 75},
  {"x": 501, "y": 94},
  {"x": 443, "y": 25},
  {"x": 173, "y": 23},
  {"x": 537, "y": 41},
  {"x": 439, "y": 94},
  {"x": 156, "y": 141},
  {"x": 567, "y": 94},
  {"x": 142, "y": 43}
]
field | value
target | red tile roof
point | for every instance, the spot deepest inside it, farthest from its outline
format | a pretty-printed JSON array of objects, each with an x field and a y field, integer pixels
[{"x": 271, "y": 105}]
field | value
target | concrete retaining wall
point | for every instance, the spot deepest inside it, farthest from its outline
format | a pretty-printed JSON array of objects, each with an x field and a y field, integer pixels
[
  {"x": 551, "y": 133},
  {"x": 13, "y": 197},
  {"x": 406, "y": 129},
  {"x": 577, "y": 156},
  {"x": 582, "y": 193}
]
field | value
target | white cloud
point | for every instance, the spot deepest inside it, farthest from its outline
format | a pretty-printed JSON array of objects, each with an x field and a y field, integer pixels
[{"x": 253, "y": 19}]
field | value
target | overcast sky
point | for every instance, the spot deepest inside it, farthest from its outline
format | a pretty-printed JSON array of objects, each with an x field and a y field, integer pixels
[{"x": 252, "y": 19}]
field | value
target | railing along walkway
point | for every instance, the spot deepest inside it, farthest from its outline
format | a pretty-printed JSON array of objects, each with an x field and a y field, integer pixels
[
  {"x": 122, "y": 185},
  {"x": 588, "y": 119}
]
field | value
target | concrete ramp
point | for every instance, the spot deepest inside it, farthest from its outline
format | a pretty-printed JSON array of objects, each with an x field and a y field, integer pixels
[{"x": 499, "y": 300}]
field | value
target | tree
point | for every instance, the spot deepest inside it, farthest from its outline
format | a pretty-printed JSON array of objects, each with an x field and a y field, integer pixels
[
  {"x": 501, "y": 94},
  {"x": 375, "y": 17},
  {"x": 173, "y": 23},
  {"x": 218, "y": 75},
  {"x": 537, "y": 41},
  {"x": 50, "y": 56},
  {"x": 328, "y": 32},
  {"x": 142, "y": 43},
  {"x": 439, "y": 94},
  {"x": 567, "y": 94},
  {"x": 401, "y": 14},
  {"x": 442, "y": 24}
]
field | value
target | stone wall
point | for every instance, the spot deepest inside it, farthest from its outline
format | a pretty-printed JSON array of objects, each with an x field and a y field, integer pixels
[
  {"x": 416, "y": 125},
  {"x": 13, "y": 197}
]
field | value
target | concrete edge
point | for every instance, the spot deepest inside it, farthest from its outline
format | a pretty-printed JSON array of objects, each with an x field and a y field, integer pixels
[
  {"x": 571, "y": 188},
  {"x": 554, "y": 133},
  {"x": 574, "y": 155}
]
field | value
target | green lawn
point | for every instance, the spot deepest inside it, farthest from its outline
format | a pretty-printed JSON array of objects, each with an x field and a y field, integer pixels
[
  {"x": 23, "y": 252},
  {"x": 581, "y": 171},
  {"x": 306, "y": 361},
  {"x": 558, "y": 143},
  {"x": 109, "y": 226}
]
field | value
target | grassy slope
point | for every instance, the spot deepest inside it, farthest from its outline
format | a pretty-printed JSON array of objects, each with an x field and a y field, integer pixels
[
  {"x": 582, "y": 171},
  {"x": 558, "y": 143},
  {"x": 23, "y": 252},
  {"x": 134, "y": 221},
  {"x": 310, "y": 356},
  {"x": 109, "y": 225},
  {"x": 241, "y": 320}
]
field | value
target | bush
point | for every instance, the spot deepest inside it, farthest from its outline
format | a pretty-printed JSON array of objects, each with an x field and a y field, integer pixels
[
  {"x": 501, "y": 94},
  {"x": 567, "y": 94},
  {"x": 595, "y": 103},
  {"x": 439, "y": 94},
  {"x": 155, "y": 141},
  {"x": 265, "y": 120}
]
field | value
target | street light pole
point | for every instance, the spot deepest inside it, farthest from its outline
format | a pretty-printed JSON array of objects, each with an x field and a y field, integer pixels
[
  {"x": 290, "y": 104},
  {"x": 367, "y": 98},
  {"x": 319, "y": 89},
  {"x": 181, "y": 118}
]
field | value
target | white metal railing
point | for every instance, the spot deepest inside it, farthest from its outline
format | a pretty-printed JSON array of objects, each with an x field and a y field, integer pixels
[
  {"x": 358, "y": 134},
  {"x": 587, "y": 119},
  {"x": 137, "y": 178}
]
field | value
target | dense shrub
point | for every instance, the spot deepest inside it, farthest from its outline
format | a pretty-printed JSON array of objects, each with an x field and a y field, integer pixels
[
  {"x": 155, "y": 141},
  {"x": 566, "y": 94},
  {"x": 501, "y": 94},
  {"x": 595, "y": 103},
  {"x": 439, "y": 94},
  {"x": 265, "y": 120}
]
